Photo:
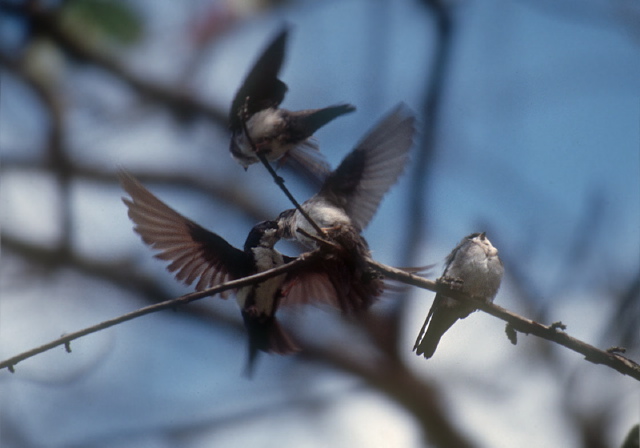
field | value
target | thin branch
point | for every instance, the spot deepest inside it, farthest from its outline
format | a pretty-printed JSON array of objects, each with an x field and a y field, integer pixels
[
  {"x": 551, "y": 332},
  {"x": 277, "y": 179},
  {"x": 173, "y": 303}
]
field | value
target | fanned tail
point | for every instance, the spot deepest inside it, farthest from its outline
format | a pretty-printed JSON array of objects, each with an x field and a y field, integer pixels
[{"x": 266, "y": 335}]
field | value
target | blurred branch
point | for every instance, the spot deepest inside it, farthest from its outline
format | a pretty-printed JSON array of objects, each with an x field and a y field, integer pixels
[
  {"x": 48, "y": 23},
  {"x": 225, "y": 192},
  {"x": 400, "y": 384},
  {"x": 553, "y": 332},
  {"x": 418, "y": 196},
  {"x": 57, "y": 156},
  {"x": 117, "y": 272}
]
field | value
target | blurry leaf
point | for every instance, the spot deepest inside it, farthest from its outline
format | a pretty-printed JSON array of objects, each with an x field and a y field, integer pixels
[{"x": 99, "y": 19}]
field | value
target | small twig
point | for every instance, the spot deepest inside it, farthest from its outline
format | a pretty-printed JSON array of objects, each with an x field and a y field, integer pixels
[
  {"x": 168, "y": 304},
  {"x": 277, "y": 179}
]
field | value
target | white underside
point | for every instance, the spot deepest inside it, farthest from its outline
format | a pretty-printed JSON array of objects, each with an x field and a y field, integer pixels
[
  {"x": 264, "y": 127},
  {"x": 265, "y": 292}
]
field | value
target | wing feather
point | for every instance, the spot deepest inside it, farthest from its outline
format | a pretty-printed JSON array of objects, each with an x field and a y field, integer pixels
[
  {"x": 194, "y": 252},
  {"x": 367, "y": 173}
]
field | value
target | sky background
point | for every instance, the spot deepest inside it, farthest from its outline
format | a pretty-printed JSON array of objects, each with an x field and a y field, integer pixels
[{"x": 536, "y": 141}]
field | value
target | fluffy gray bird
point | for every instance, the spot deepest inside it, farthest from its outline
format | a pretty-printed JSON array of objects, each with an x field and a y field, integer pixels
[
  {"x": 276, "y": 132},
  {"x": 475, "y": 263},
  {"x": 198, "y": 254},
  {"x": 348, "y": 200}
]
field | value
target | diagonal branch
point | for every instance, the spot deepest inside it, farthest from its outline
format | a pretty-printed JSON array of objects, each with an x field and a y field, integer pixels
[
  {"x": 277, "y": 179},
  {"x": 173, "y": 303},
  {"x": 610, "y": 358},
  {"x": 49, "y": 23}
]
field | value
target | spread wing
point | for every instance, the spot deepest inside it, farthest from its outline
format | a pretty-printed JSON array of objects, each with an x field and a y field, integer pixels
[
  {"x": 194, "y": 252},
  {"x": 367, "y": 173},
  {"x": 261, "y": 86},
  {"x": 329, "y": 282}
]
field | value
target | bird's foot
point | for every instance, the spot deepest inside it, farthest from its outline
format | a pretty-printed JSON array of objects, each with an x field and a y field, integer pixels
[{"x": 452, "y": 282}]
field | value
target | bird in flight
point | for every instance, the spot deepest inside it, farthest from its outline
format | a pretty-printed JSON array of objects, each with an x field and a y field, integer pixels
[
  {"x": 346, "y": 203},
  {"x": 257, "y": 122}
]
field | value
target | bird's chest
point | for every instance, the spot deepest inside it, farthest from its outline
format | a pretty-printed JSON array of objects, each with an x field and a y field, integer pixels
[
  {"x": 267, "y": 130},
  {"x": 479, "y": 275},
  {"x": 263, "y": 296},
  {"x": 323, "y": 214}
]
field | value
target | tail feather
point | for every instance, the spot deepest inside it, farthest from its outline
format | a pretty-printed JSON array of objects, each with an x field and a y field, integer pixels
[
  {"x": 309, "y": 162},
  {"x": 438, "y": 321},
  {"x": 266, "y": 335}
]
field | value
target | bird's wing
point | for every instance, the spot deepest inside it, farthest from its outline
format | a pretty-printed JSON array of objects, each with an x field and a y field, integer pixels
[
  {"x": 261, "y": 86},
  {"x": 194, "y": 252},
  {"x": 367, "y": 173},
  {"x": 304, "y": 123},
  {"x": 328, "y": 282},
  {"x": 308, "y": 162}
]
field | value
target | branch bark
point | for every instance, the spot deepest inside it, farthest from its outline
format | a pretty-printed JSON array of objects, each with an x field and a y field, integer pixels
[
  {"x": 553, "y": 332},
  {"x": 167, "y": 304}
]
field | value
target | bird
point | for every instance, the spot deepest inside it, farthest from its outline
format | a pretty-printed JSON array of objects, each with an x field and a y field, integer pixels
[
  {"x": 474, "y": 263},
  {"x": 347, "y": 201},
  {"x": 276, "y": 133},
  {"x": 198, "y": 254}
]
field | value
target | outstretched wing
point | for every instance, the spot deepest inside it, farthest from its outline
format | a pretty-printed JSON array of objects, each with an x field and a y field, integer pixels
[
  {"x": 194, "y": 252},
  {"x": 367, "y": 173},
  {"x": 330, "y": 282},
  {"x": 261, "y": 86}
]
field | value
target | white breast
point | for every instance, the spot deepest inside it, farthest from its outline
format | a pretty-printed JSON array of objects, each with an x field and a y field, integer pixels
[
  {"x": 265, "y": 292},
  {"x": 323, "y": 214}
]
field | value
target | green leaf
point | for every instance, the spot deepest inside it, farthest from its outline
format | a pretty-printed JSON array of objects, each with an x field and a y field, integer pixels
[{"x": 104, "y": 19}]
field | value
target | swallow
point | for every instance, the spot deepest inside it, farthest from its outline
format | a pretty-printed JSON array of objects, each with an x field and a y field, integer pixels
[
  {"x": 474, "y": 263},
  {"x": 347, "y": 201},
  {"x": 198, "y": 254},
  {"x": 275, "y": 133}
]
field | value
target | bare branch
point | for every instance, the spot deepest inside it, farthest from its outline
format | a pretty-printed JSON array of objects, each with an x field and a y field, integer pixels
[
  {"x": 551, "y": 332},
  {"x": 182, "y": 300}
]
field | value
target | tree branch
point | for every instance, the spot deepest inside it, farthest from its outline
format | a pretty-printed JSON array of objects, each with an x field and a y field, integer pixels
[
  {"x": 173, "y": 303},
  {"x": 553, "y": 332}
]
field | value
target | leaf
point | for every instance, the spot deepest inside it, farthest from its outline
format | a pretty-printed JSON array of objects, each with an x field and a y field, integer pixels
[{"x": 115, "y": 20}]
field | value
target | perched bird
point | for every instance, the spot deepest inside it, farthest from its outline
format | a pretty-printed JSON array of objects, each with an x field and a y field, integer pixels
[
  {"x": 476, "y": 264},
  {"x": 198, "y": 254},
  {"x": 276, "y": 132},
  {"x": 346, "y": 203}
]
